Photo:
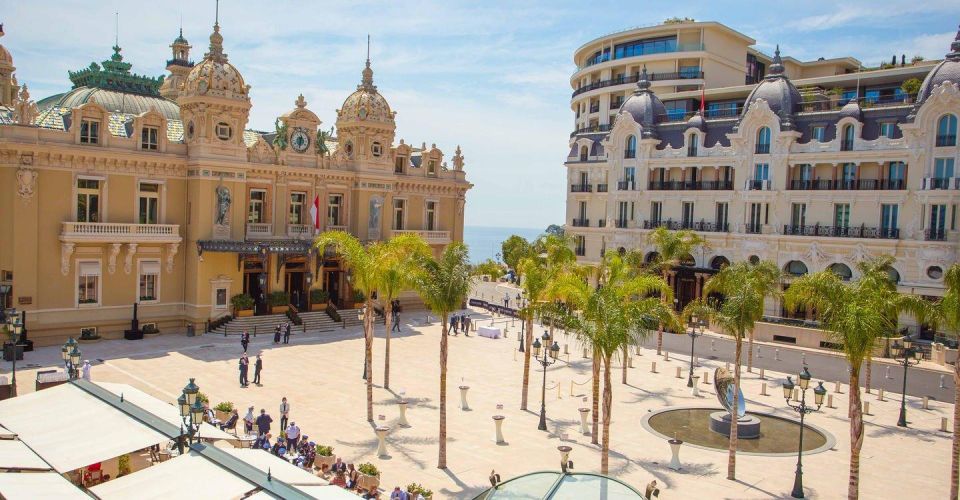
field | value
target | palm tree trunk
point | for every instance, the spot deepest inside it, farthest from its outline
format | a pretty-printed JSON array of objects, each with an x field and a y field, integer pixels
[
  {"x": 607, "y": 406},
  {"x": 732, "y": 450},
  {"x": 442, "y": 460},
  {"x": 868, "y": 375},
  {"x": 626, "y": 361},
  {"x": 527, "y": 341},
  {"x": 750, "y": 353},
  {"x": 660, "y": 327},
  {"x": 856, "y": 434},
  {"x": 955, "y": 454},
  {"x": 595, "y": 432},
  {"x": 388, "y": 313},
  {"x": 368, "y": 355}
]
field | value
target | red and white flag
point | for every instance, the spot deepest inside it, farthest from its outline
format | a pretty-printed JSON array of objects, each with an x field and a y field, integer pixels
[
  {"x": 703, "y": 100},
  {"x": 315, "y": 212}
]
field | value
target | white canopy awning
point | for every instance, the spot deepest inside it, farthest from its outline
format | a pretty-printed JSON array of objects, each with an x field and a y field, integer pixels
[
  {"x": 186, "y": 476},
  {"x": 72, "y": 429},
  {"x": 165, "y": 410},
  {"x": 329, "y": 492},
  {"x": 14, "y": 454},
  {"x": 38, "y": 486},
  {"x": 279, "y": 468}
]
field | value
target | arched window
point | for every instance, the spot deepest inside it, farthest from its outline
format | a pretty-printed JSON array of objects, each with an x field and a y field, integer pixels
[
  {"x": 693, "y": 142},
  {"x": 894, "y": 275},
  {"x": 651, "y": 257},
  {"x": 795, "y": 268},
  {"x": 841, "y": 270},
  {"x": 719, "y": 262},
  {"x": 630, "y": 151},
  {"x": 688, "y": 261},
  {"x": 763, "y": 141},
  {"x": 754, "y": 260},
  {"x": 583, "y": 153},
  {"x": 947, "y": 131},
  {"x": 846, "y": 144}
]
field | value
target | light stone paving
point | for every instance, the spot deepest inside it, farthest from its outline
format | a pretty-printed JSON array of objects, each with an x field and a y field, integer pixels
[{"x": 320, "y": 375}]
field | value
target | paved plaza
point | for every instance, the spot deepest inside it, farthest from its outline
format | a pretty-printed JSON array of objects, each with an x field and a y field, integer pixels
[{"x": 320, "y": 374}]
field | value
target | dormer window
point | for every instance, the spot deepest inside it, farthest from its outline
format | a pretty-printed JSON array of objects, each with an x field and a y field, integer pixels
[
  {"x": 692, "y": 143},
  {"x": 630, "y": 151},
  {"x": 89, "y": 131},
  {"x": 376, "y": 149},
  {"x": 432, "y": 167},
  {"x": 763, "y": 141},
  {"x": 148, "y": 138},
  {"x": 399, "y": 165},
  {"x": 224, "y": 132}
]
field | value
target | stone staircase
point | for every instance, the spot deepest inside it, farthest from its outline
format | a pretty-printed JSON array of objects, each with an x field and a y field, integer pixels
[{"x": 316, "y": 321}]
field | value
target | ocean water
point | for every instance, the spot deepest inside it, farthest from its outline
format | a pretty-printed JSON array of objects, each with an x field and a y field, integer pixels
[{"x": 484, "y": 242}]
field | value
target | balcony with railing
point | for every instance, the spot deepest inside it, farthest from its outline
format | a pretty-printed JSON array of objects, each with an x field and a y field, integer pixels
[
  {"x": 432, "y": 237},
  {"x": 623, "y": 80},
  {"x": 661, "y": 49},
  {"x": 690, "y": 185},
  {"x": 763, "y": 149},
  {"x": 336, "y": 227},
  {"x": 753, "y": 228},
  {"x": 595, "y": 107},
  {"x": 941, "y": 183},
  {"x": 601, "y": 222},
  {"x": 593, "y": 129},
  {"x": 601, "y": 188},
  {"x": 946, "y": 140},
  {"x": 758, "y": 185},
  {"x": 581, "y": 188},
  {"x": 300, "y": 231},
  {"x": 625, "y": 185},
  {"x": 884, "y": 233},
  {"x": 668, "y": 224},
  {"x": 259, "y": 230},
  {"x": 111, "y": 232},
  {"x": 620, "y": 223},
  {"x": 847, "y": 185},
  {"x": 580, "y": 250},
  {"x": 711, "y": 227},
  {"x": 581, "y": 222},
  {"x": 846, "y": 145},
  {"x": 935, "y": 234}
]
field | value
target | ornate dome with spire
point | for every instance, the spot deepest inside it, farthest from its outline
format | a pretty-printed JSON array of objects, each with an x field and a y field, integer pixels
[
  {"x": 215, "y": 76},
  {"x": 644, "y": 106},
  {"x": 5, "y": 56},
  {"x": 366, "y": 103},
  {"x": 947, "y": 70},
  {"x": 778, "y": 91}
]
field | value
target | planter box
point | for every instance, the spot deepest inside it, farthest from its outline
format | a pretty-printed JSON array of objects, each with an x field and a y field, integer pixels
[
  {"x": 369, "y": 483},
  {"x": 322, "y": 461},
  {"x": 90, "y": 341},
  {"x": 133, "y": 334},
  {"x": 8, "y": 351},
  {"x": 322, "y": 306},
  {"x": 244, "y": 313},
  {"x": 279, "y": 309},
  {"x": 222, "y": 416}
]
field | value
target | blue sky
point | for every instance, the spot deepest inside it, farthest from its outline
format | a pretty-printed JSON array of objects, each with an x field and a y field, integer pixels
[{"x": 492, "y": 77}]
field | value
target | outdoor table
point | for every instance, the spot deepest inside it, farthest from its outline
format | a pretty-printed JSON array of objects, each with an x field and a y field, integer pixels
[{"x": 489, "y": 332}]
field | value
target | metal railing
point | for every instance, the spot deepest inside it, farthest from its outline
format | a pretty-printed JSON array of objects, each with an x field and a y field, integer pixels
[
  {"x": 690, "y": 185},
  {"x": 581, "y": 188},
  {"x": 763, "y": 149},
  {"x": 946, "y": 140},
  {"x": 753, "y": 228},
  {"x": 601, "y": 188},
  {"x": 843, "y": 231},
  {"x": 758, "y": 185},
  {"x": 591, "y": 130},
  {"x": 853, "y": 184},
  {"x": 941, "y": 183},
  {"x": 935, "y": 234},
  {"x": 625, "y": 185},
  {"x": 846, "y": 145},
  {"x": 620, "y": 223},
  {"x": 581, "y": 222}
]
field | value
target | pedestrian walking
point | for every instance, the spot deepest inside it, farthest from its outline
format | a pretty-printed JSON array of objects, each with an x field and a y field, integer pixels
[
  {"x": 284, "y": 412},
  {"x": 506, "y": 299},
  {"x": 263, "y": 422},
  {"x": 85, "y": 371},
  {"x": 286, "y": 333},
  {"x": 244, "y": 365},
  {"x": 257, "y": 366},
  {"x": 469, "y": 322},
  {"x": 244, "y": 340},
  {"x": 463, "y": 325},
  {"x": 455, "y": 325}
]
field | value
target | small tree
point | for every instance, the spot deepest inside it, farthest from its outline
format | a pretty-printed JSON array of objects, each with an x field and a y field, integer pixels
[
  {"x": 911, "y": 87},
  {"x": 514, "y": 249}
]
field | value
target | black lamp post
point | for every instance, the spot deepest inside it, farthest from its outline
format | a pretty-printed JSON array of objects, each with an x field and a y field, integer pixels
[
  {"x": 695, "y": 323},
  {"x": 191, "y": 413},
  {"x": 522, "y": 303},
  {"x": 15, "y": 327},
  {"x": 907, "y": 355},
  {"x": 549, "y": 357},
  {"x": 802, "y": 408},
  {"x": 70, "y": 353}
]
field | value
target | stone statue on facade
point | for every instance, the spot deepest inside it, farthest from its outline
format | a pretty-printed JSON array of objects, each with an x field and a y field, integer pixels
[
  {"x": 223, "y": 205},
  {"x": 24, "y": 110}
]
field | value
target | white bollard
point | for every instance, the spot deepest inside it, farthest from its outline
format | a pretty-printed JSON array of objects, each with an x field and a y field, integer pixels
[
  {"x": 836, "y": 388},
  {"x": 887, "y": 374},
  {"x": 829, "y": 400},
  {"x": 706, "y": 377},
  {"x": 498, "y": 422},
  {"x": 666, "y": 355},
  {"x": 880, "y": 395},
  {"x": 463, "y": 398},
  {"x": 926, "y": 402},
  {"x": 653, "y": 367},
  {"x": 803, "y": 359},
  {"x": 696, "y": 386},
  {"x": 381, "y": 439},
  {"x": 566, "y": 348},
  {"x": 678, "y": 372},
  {"x": 758, "y": 353},
  {"x": 631, "y": 362},
  {"x": 762, "y": 375},
  {"x": 776, "y": 354},
  {"x": 584, "y": 427},
  {"x": 675, "y": 452},
  {"x": 403, "y": 414},
  {"x": 713, "y": 345},
  {"x": 866, "y": 407},
  {"x": 763, "y": 389},
  {"x": 586, "y": 353},
  {"x": 941, "y": 382},
  {"x": 943, "y": 424}
]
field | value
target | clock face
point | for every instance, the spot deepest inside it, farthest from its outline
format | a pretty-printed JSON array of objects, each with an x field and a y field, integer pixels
[
  {"x": 363, "y": 113},
  {"x": 299, "y": 140}
]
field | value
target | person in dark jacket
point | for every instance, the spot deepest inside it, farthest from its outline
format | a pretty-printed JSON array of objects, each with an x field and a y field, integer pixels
[
  {"x": 244, "y": 340},
  {"x": 276, "y": 334},
  {"x": 257, "y": 366},
  {"x": 244, "y": 366},
  {"x": 286, "y": 334},
  {"x": 263, "y": 422}
]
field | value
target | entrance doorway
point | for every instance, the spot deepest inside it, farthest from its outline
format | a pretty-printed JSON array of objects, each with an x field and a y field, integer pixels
[
  {"x": 254, "y": 285},
  {"x": 331, "y": 283},
  {"x": 295, "y": 284}
]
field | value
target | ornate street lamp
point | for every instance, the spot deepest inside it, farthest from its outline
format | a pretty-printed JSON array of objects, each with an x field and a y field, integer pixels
[
  {"x": 549, "y": 357},
  {"x": 907, "y": 355},
  {"x": 191, "y": 415},
  {"x": 70, "y": 353},
  {"x": 695, "y": 323},
  {"x": 16, "y": 328},
  {"x": 802, "y": 408}
]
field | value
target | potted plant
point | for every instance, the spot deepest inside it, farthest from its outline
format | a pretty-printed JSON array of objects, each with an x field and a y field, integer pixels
[
  {"x": 324, "y": 457},
  {"x": 279, "y": 302},
  {"x": 369, "y": 476},
  {"x": 358, "y": 299},
  {"x": 223, "y": 410},
  {"x": 150, "y": 329},
  {"x": 318, "y": 299},
  {"x": 203, "y": 398},
  {"x": 910, "y": 88},
  {"x": 416, "y": 488},
  {"x": 242, "y": 305},
  {"x": 123, "y": 465}
]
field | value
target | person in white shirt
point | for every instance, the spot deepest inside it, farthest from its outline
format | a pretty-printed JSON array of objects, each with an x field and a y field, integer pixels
[
  {"x": 293, "y": 435},
  {"x": 284, "y": 412},
  {"x": 212, "y": 417},
  {"x": 85, "y": 370}
]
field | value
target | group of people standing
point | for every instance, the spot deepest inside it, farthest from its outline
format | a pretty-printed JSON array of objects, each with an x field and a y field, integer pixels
[
  {"x": 284, "y": 329},
  {"x": 460, "y": 322},
  {"x": 245, "y": 368}
]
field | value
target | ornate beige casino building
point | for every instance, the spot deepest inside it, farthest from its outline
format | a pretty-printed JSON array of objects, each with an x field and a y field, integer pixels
[
  {"x": 810, "y": 164},
  {"x": 133, "y": 189}
]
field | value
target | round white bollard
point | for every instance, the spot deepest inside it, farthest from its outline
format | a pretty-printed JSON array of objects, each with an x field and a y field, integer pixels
[
  {"x": 463, "y": 397},
  {"x": 675, "y": 453},
  {"x": 498, "y": 422},
  {"x": 696, "y": 386},
  {"x": 584, "y": 426},
  {"x": 381, "y": 438},
  {"x": 403, "y": 414}
]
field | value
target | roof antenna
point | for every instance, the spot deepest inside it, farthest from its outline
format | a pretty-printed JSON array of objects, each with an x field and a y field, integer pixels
[
  {"x": 116, "y": 30},
  {"x": 368, "y": 49},
  {"x": 216, "y": 20}
]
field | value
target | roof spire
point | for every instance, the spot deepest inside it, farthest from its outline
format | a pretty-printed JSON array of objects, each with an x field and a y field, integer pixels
[
  {"x": 643, "y": 81},
  {"x": 954, "y": 54},
  {"x": 776, "y": 66},
  {"x": 216, "y": 40},
  {"x": 116, "y": 29},
  {"x": 216, "y": 16},
  {"x": 366, "y": 83}
]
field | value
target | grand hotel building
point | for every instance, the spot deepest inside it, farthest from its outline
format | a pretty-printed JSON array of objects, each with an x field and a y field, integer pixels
[
  {"x": 131, "y": 189},
  {"x": 810, "y": 164}
]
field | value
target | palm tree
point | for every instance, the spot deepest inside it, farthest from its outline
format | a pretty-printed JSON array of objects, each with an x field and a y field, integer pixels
[
  {"x": 362, "y": 264},
  {"x": 615, "y": 314},
  {"x": 396, "y": 263},
  {"x": 946, "y": 313},
  {"x": 443, "y": 284},
  {"x": 855, "y": 315},
  {"x": 744, "y": 286},
  {"x": 672, "y": 247}
]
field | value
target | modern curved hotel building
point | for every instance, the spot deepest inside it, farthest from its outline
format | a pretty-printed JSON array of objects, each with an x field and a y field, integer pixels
[
  {"x": 811, "y": 164},
  {"x": 152, "y": 190}
]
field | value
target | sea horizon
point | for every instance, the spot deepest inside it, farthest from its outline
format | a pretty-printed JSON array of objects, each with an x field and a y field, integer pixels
[{"x": 484, "y": 242}]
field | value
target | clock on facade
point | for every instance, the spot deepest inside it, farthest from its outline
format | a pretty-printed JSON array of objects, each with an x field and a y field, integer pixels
[{"x": 299, "y": 140}]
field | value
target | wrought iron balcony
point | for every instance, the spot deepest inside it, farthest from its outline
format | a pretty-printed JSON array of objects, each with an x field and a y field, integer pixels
[
  {"x": 690, "y": 185},
  {"x": 941, "y": 183},
  {"x": 591, "y": 130},
  {"x": 581, "y": 188},
  {"x": 601, "y": 222},
  {"x": 601, "y": 188},
  {"x": 669, "y": 224},
  {"x": 580, "y": 251},
  {"x": 682, "y": 75},
  {"x": 620, "y": 223},
  {"x": 763, "y": 149},
  {"x": 710, "y": 227},
  {"x": 843, "y": 231},
  {"x": 946, "y": 140},
  {"x": 935, "y": 235},
  {"x": 846, "y": 145},
  {"x": 847, "y": 185},
  {"x": 111, "y": 232},
  {"x": 761, "y": 185},
  {"x": 581, "y": 222},
  {"x": 626, "y": 185},
  {"x": 753, "y": 228},
  {"x": 595, "y": 108}
]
